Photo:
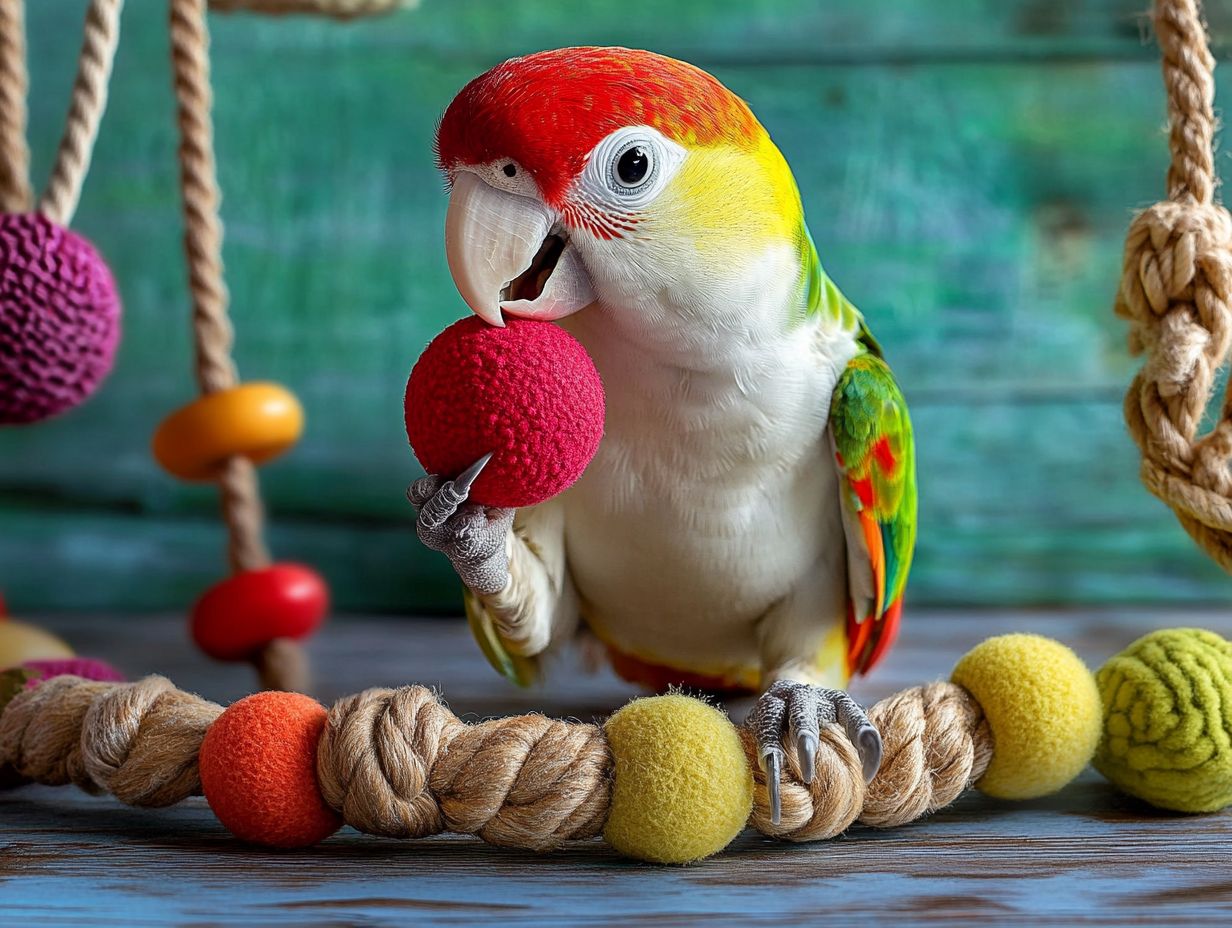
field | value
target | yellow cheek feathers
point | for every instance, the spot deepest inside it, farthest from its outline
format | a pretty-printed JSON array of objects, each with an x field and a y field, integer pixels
[{"x": 733, "y": 201}]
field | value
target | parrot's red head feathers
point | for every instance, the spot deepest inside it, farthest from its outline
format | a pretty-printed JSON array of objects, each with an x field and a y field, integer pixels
[{"x": 547, "y": 111}]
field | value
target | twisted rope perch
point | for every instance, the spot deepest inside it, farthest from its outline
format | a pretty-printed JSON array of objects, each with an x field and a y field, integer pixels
[
  {"x": 398, "y": 763},
  {"x": 1176, "y": 292}
]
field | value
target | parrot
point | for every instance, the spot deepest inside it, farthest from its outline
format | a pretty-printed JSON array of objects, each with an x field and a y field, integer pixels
[{"x": 748, "y": 522}]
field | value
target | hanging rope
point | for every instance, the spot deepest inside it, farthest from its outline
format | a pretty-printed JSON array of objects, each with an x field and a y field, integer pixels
[
  {"x": 15, "y": 196},
  {"x": 86, "y": 106},
  {"x": 1176, "y": 292},
  {"x": 282, "y": 664}
]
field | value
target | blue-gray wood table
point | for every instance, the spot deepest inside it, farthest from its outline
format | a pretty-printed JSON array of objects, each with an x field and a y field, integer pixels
[{"x": 1087, "y": 855}]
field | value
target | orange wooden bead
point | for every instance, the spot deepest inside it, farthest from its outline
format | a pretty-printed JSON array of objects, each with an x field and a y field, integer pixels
[
  {"x": 258, "y": 764},
  {"x": 243, "y": 613},
  {"x": 258, "y": 421}
]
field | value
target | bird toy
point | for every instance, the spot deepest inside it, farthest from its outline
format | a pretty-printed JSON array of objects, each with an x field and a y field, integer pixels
[
  {"x": 667, "y": 779},
  {"x": 509, "y": 413},
  {"x": 59, "y": 309},
  {"x": 60, "y": 323}
]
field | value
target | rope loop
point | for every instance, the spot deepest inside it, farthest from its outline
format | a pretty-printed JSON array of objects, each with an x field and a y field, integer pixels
[{"x": 1176, "y": 293}]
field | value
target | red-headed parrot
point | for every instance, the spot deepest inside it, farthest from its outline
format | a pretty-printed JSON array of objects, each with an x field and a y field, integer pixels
[{"x": 749, "y": 519}]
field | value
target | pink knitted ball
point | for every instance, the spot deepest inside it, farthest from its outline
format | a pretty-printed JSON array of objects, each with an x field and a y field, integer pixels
[
  {"x": 528, "y": 392},
  {"x": 59, "y": 319},
  {"x": 88, "y": 668}
]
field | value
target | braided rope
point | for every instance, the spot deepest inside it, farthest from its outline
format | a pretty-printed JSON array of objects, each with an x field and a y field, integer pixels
[
  {"x": 86, "y": 106},
  {"x": 137, "y": 741},
  {"x": 398, "y": 763},
  {"x": 1176, "y": 292},
  {"x": 15, "y": 195},
  {"x": 282, "y": 664}
]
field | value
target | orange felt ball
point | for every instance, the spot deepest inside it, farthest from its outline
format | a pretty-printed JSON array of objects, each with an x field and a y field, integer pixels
[{"x": 259, "y": 770}]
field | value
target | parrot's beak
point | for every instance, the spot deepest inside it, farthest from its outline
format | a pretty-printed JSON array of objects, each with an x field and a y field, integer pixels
[{"x": 509, "y": 254}]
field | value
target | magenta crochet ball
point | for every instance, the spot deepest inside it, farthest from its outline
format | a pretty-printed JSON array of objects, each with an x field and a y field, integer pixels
[
  {"x": 88, "y": 668},
  {"x": 59, "y": 319},
  {"x": 528, "y": 392}
]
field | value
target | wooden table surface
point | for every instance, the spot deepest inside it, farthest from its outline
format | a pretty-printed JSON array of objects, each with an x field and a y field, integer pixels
[{"x": 1087, "y": 855}]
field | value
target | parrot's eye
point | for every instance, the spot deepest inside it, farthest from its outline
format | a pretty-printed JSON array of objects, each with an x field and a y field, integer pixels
[
  {"x": 510, "y": 169},
  {"x": 632, "y": 166}
]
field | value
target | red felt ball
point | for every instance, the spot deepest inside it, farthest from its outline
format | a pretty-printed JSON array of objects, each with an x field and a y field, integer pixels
[
  {"x": 240, "y": 615},
  {"x": 59, "y": 319},
  {"x": 258, "y": 765},
  {"x": 528, "y": 392}
]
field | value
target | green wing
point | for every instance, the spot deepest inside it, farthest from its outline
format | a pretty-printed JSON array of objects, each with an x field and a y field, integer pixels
[{"x": 875, "y": 451}]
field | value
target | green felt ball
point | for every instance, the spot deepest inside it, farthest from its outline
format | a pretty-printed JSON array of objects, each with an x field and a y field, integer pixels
[{"x": 1168, "y": 720}]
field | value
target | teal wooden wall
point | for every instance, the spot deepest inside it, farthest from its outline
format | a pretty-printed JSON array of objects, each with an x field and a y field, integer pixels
[{"x": 968, "y": 167}]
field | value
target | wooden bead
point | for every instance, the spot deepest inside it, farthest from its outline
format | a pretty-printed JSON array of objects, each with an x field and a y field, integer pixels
[
  {"x": 236, "y": 618},
  {"x": 258, "y": 421},
  {"x": 20, "y": 642}
]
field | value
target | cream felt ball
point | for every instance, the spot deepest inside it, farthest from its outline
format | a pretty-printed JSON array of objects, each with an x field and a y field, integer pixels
[{"x": 527, "y": 391}]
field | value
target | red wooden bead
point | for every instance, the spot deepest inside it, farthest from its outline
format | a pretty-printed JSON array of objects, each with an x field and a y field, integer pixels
[{"x": 237, "y": 617}]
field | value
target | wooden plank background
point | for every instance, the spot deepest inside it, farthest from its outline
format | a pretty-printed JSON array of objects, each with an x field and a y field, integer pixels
[{"x": 968, "y": 169}]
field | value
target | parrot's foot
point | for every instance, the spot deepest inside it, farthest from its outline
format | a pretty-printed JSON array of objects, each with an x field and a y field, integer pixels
[
  {"x": 472, "y": 537},
  {"x": 794, "y": 713}
]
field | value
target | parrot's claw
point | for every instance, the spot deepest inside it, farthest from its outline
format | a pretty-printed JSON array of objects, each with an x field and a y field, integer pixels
[
  {"x": 788, "y": 718},
  {"x": 472, "y": 537},
  {"x": 772, "y": 764},
  {"x": 463, "y": 482}
]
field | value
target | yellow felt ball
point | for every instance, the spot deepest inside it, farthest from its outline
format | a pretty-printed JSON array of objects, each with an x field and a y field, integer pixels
[
  {"x": 20, "y": 642},
  {"x": 682, "y": 786},
  {"x": 1043, "y": 708},
  {"x": 1168, "y": 720}
]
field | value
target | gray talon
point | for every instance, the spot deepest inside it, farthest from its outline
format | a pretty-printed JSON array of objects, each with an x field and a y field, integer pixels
[
  {"x": 806, "y": 750},
  {"x": 868, "y": 743},
  {"x": 464, "y": 480},
  {"x": 795, "y": 713},
  {"x": 773, "y": 763}
]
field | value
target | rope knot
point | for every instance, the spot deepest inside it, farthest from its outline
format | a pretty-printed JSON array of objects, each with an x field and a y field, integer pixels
[
  {"x": 1176, "y": 291},
  {"x": 937, "y": 743},
  {"x": 377, "y": 751},
  {"x": 138, "y": 741},
  {"x": 1176, "y": 285},
  {"x": 399, "y": 763}
]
